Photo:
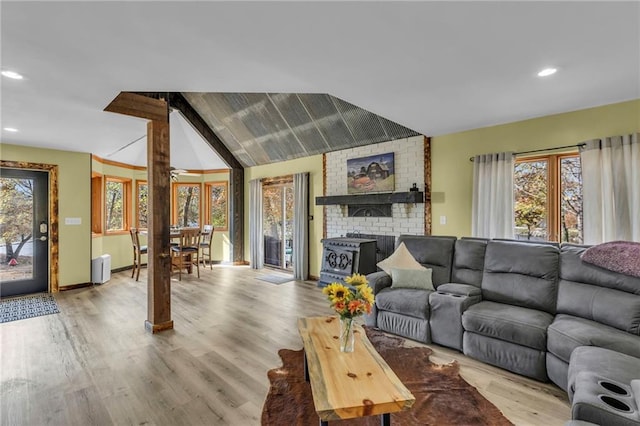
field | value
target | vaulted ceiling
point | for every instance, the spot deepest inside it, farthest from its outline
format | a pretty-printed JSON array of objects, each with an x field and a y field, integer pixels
[{"x": 254, "y": 69}]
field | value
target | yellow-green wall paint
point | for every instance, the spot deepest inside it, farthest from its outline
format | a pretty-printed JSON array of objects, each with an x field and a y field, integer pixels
[
  {"x": 452, "y": 172},
  {"x": 312, "y": 165},
  {"x": 74, "y": 193}
]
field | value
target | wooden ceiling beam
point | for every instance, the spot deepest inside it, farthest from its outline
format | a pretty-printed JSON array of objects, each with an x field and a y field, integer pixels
[{"x": 136, "y": 105}]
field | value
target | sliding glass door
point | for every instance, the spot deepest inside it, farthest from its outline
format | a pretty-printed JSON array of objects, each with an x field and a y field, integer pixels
[{"x": 277, "y": 224}]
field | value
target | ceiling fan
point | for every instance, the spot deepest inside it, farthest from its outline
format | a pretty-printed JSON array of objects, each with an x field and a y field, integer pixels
[{"x": 180, "y": 172}]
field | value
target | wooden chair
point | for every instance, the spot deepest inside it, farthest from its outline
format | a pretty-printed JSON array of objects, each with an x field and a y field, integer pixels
[
  {"x": 187, "y": 250},
  {"x": 205, "y": 245},
  {"x": 138, "y": 251}
]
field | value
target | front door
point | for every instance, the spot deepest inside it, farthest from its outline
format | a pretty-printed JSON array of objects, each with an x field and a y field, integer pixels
[{"x": 24, "y": 231}]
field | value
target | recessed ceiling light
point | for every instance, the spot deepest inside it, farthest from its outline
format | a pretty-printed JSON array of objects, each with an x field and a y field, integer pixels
[
  {"x": 12, "y": 74},
  {"x": 11, "y": 129},
  {"x": 547, "y": 72}
]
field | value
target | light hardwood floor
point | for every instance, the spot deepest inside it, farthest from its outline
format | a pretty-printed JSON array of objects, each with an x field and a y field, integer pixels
[{"x": 94, "y": 363}]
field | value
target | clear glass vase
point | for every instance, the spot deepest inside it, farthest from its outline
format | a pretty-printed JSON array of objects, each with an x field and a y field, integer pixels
[{"x": 346, "y": 335}]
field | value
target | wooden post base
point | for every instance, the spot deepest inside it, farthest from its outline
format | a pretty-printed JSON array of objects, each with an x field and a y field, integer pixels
[{"x": 157, "y": 328}]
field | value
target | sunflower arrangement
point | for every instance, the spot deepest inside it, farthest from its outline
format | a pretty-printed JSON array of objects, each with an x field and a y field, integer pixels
[{"x": 353, "y": 300}]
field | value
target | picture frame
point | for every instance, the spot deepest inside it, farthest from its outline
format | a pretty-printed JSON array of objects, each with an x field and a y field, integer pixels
[{"x": 374, "y": 173}]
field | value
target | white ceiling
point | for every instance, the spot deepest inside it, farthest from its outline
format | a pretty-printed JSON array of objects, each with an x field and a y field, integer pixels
[{"x": 435, "y": 67}]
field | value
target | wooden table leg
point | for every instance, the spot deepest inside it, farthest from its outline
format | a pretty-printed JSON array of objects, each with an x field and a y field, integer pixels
[
  {"x": 306, "y": 367},
  {"x": 385, "y": 419}
]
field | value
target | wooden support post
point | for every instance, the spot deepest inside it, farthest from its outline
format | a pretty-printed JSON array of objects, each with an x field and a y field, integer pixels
[
  {"x": 236, "y": 224},
  {"x": 159, "y": 181},
  {"x": 159, "y": 271}
]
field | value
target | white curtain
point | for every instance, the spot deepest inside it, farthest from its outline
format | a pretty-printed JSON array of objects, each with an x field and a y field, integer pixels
[
  {"x": 492, "y": 209},
  {"x": 611, "y": 189},
  {"x": 301, "y": 226},
  {"x": 256, "y": 242}
]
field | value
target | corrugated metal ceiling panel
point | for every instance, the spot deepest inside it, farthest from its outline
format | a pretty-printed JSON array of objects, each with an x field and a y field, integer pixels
[{"x": 263, "y": 128}]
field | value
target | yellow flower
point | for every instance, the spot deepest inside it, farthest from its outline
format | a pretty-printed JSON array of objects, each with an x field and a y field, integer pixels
[
  {"x": 367, "y": 293},
  {"x": 356, "y": 280},
  {"x": 337, "y": 292}
]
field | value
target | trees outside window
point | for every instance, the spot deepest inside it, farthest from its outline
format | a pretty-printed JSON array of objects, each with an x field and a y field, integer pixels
[
  {"x": 16, "y": 215},
  {"x": 571, "y": 200},
  {"x": 142, "y": 208},
  {"x": 530, "y": 180},
  {"x": 217, "y": 205},
  {"x": 548, "y": 198},
  {"x": 116, "y": 202},
  {"x": 186, "y": 205}
]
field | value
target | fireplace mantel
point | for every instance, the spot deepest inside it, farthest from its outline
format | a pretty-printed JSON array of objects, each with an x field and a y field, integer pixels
[{"x": 410, "y": 197}]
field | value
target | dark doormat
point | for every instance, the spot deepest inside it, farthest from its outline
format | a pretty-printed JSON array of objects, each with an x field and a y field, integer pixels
[
  {"x": 276, "y": 279},
  {"x": 18, "y": 308}
]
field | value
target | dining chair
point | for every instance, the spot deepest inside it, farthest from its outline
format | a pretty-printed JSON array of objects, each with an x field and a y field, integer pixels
[
  {"x": 138, "y": 251},
  {"x": 205, "y": 244},
  {"x": 187, "y": 250}
]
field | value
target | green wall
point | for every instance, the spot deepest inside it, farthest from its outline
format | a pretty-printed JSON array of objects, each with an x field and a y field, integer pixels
[
  {"x": 312, "y": 165},
  {"x": 452, "y": 172},
  {"x": 74, "y": 193}
]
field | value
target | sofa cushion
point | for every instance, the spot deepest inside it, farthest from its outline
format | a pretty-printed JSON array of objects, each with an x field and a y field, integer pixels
[
  {"x": 468, "y": 261},
  {"x": 400, "y": 259},
  {"x": 515, "y": 324},
  {"x": 404, "y": 301},
  {"x": 568, "y": 332},
  {"x": 572, "y": 268},
  {"x": 433, "y": 252},
  {"x": 412, "y": 278},
  {"x": 604, "y": 305},
  {"x": 522, "y": 274}
]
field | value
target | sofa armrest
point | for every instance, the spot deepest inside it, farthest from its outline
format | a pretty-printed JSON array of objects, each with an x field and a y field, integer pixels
[
  {"x": 459, "y": 289},
  {"x": 378, "y": 281}
]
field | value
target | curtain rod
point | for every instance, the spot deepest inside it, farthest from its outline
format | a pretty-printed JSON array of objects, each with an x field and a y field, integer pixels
[{"x": 544, "y": 149}]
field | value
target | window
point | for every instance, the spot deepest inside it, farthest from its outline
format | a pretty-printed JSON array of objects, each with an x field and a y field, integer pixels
[
  {"x": 116, "y": 202},
  {"x": 142, "y": 205},
  {"x": 96, "y": 203},
  {"x": 217, "y": 205},
  {"x": 548, "y": 198},
  {"x": 186, "y": 205}
]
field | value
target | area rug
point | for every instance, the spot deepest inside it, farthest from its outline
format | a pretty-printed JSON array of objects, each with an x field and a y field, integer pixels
[
  {"x": 18, "y": 308},
  {"x": 276, "y": 279},
  {"x": 442, "y": 396}
]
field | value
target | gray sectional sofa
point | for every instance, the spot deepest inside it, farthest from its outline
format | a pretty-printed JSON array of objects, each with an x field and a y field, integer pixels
[{"x": 532, "y": 308}]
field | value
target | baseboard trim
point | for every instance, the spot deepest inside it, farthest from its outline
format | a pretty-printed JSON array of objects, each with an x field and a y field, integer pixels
[{"x": 74, "y": 286}]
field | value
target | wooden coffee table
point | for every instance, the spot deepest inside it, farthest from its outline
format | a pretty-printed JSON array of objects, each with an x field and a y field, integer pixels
[{"x": 348, "y": 385}]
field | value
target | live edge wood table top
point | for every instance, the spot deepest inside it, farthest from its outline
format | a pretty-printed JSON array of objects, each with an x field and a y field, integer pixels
[{"x": 353, "y": 384}]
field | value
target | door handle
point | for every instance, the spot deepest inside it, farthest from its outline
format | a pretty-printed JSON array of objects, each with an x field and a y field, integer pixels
[{"x": 43, "y": 238}]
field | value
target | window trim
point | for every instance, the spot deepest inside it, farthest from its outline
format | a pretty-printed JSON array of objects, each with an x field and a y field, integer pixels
[
  {"x": 554, "y": 230},
  {"x": 96, "y": 203},
  {"x": 174, "y": 201},
  {"x": 208, "y": 186},
  {"x": 126, "y": 209}
]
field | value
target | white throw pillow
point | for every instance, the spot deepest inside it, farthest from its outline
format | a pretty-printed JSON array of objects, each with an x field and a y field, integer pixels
[
  {"x": 412, "y": 278},
  {"x": 400, "y": 259}
]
